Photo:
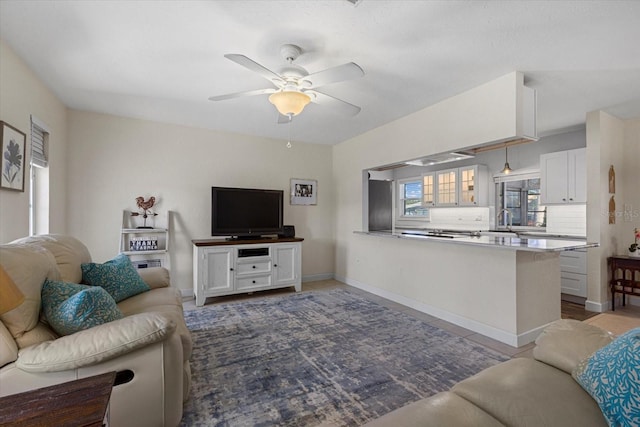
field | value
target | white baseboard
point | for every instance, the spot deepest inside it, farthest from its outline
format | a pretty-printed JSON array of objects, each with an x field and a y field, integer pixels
[
  {"x": 316, "y": 277},
  {"x": 186, "y": 293},
  {"x": 514, "y": 340},
  {"x": 598, "y": 307}
]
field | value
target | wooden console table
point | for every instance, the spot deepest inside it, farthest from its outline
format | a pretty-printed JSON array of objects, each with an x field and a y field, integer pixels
[
  {"x": 81, "y": 402},
  {"x": 624, "y": 272}
]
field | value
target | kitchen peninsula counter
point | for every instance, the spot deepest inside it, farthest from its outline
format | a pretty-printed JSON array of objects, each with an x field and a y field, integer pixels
[
  {"x": 537, "y": 243},
  {"x": 506, "y": 288}
]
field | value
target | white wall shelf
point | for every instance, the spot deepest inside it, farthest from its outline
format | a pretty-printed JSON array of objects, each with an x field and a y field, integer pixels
[{"x": 158, "y": 252}]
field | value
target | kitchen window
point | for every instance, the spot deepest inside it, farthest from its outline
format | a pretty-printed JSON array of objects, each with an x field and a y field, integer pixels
[
  {"x": 520, "y": 196},
  {"x": 411, "y": 199}
]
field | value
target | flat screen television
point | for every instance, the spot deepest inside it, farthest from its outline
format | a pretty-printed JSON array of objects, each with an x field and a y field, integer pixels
[{"x": 246, "y": 212}]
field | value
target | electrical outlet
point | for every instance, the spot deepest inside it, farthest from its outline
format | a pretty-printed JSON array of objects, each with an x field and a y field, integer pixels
[{"x": 627, "y": 213}]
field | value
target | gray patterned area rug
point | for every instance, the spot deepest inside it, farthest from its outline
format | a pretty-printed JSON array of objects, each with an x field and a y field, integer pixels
[{"x": 317, "y": 358}]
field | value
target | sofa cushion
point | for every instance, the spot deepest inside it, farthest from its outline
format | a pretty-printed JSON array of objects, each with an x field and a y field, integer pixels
[
  {"x": 443, "y": 409},
  {"x": 564, "y": 343},
  {"x": 8, "y": 346},
  {"x": 163, "y": 300},
  {"x": 611, "y": 376},
  {"x": 525, "y": 392},
  {"x": 150, "y": 301},
  {"x": 70, "y": 307},
  {"x": 69, "y": 253},
  {"x": 28, "y": 267},
  {"x": 42, "y": 332},
  {"x": 95, "y": 345},
  {"x": 117, "y": 276},
  {"x": 155, "y": 277}
]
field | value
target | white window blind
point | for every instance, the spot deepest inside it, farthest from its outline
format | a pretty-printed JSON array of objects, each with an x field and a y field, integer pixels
[{"x": 39, "y": 139}]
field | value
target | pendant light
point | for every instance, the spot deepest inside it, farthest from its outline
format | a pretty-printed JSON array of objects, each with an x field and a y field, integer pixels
[{"x": 507, "y": 169}]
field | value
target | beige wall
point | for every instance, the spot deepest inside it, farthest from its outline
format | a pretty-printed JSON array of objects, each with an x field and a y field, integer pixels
[
  {"x": 22, "y": 94},
  {"x": 610, "y": 141},
  {"x": 112, "y": 160},
  {"x": 629, "y": 177}
]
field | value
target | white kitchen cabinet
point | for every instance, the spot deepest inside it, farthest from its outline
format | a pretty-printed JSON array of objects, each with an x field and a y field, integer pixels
[
  {"x": 573, "y": 273},
  {"x": 221, "y": 267},
  {"x": 429, "y": 189},
  {"x": 465, "y": 186},
  {"x": 563, "y": 177},
  {"x": 473, "y": 188},
  {"x": 447, "y": 187}
]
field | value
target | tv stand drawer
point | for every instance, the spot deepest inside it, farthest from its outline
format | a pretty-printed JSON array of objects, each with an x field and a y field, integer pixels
[
  {"x": 253, "y": 282},
  {"x": 255, "y": 267}
]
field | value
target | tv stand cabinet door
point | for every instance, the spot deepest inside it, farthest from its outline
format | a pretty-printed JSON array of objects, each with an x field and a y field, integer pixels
[
  {"x": 287, "y": 265},
  {"x": 216, "y": 270}
]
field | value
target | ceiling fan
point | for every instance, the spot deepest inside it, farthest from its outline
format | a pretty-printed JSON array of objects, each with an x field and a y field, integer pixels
[{"x": 295, "y": 87}]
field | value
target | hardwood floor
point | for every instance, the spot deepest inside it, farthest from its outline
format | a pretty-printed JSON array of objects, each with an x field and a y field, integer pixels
[{"x": 571, "y": 310}]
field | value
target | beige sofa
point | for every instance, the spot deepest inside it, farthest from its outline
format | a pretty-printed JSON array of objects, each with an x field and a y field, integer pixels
[
  {"x": 520, "y": 392},
  {"x": 150, "y": 346}
]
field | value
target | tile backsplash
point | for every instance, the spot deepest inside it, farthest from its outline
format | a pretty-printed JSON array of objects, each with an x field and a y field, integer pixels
[
  {"x": 567, "y": 219},
  {"x": 467, "y": 218}
]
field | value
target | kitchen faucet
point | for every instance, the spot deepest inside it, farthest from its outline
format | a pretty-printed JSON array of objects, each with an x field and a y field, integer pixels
[{"x": 509, "y": 217}]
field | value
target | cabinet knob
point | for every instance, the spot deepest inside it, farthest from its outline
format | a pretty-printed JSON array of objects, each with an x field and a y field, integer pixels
[
  {"x": 275, "y": 265},
  {"x": 253, "y": 266},
  {"x": 570, "y": 198},
  {"x": 253, "y": 281},
  {"x": 231, "y": 269},
  {"x": 564, "y": 200}
]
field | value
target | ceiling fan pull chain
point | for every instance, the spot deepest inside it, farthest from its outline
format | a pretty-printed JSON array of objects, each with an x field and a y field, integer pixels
[{"x": 289, "y": 136}]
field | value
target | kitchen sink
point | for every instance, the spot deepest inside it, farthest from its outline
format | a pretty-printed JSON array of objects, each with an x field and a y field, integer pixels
[{"x": 500, "y": 233}]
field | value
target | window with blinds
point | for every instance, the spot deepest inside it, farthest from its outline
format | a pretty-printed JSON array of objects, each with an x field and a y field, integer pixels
[{"x": 39, "y": 141}]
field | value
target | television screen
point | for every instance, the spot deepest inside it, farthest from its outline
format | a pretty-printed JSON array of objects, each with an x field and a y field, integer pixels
[{"x": 246, "y": 212}]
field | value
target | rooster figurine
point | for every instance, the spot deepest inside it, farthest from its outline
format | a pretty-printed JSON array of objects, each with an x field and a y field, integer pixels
[{"x": 145, "y": 206}]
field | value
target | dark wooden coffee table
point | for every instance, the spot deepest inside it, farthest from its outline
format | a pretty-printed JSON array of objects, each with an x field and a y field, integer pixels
[{"x": 76, "y": 403}]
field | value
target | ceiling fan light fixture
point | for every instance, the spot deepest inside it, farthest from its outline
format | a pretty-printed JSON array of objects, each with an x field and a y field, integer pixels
[{"x": 289, "y": 102}]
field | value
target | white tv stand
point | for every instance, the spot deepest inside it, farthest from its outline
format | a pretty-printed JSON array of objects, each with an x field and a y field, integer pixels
[{"x": 223, "y": 267}]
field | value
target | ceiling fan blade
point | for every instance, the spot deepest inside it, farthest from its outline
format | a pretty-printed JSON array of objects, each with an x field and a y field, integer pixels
[
  {"x": 241, "y": 94},
  {"x": 343, "y": 72},
  {"x": 256, "y": 68},
  {"x": 337, "y": 105}
]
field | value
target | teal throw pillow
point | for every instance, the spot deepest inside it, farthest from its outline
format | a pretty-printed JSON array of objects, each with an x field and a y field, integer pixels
[
  {"x": 70, "y": 307},
  {"x": 118, "y": 277},
  {"x": 611, "y": 376}
]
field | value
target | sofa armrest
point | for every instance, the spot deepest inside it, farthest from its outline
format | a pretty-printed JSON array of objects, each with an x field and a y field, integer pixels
[
  {"x": 155, "y": 277},
  {"x": 566, "y": 342},
  {"x": 97, "y": 344}
]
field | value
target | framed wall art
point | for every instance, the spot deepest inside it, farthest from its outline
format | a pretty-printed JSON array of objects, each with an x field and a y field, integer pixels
[
  {"x": 13, "y": 157},
  {"x": 304, "y": 191}
]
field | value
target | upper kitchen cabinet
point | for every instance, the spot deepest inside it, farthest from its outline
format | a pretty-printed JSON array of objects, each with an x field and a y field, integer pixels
[
  {"x": 473, "y": 185},
  {"x": 447, "y": 187},
  {"x": 563, "y": 177},
  {"x": 465, "y": 186},
  {"x": 429, "y": 189}
]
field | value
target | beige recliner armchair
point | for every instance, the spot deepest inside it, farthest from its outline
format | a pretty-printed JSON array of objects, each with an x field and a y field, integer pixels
[{"x": 149, "y": 347}]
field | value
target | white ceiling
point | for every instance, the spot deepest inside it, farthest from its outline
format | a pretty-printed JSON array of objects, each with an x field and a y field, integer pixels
[{"x": 161, "y": 60}]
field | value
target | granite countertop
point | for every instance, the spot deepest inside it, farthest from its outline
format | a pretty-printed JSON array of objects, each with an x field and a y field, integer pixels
[{"x": 533, "y": 243}]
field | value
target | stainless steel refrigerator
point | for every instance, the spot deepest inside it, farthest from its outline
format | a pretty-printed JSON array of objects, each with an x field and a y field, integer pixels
[{"x": 380, "y": 205}]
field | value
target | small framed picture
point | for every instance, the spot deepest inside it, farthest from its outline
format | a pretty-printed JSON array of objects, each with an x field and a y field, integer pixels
[
  {"x": 304, "y": 191},
  {"x": 13, "y": 157}
]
